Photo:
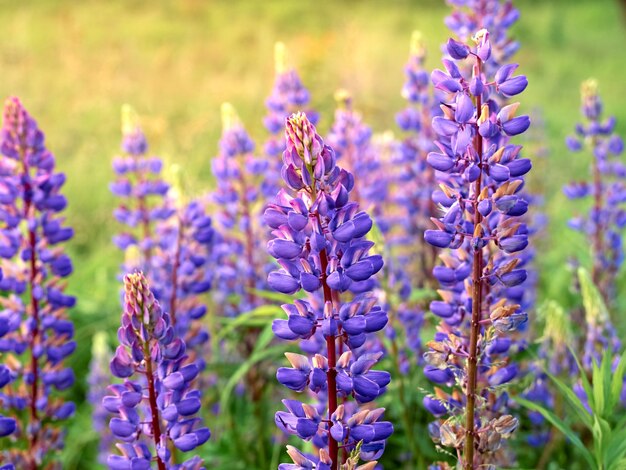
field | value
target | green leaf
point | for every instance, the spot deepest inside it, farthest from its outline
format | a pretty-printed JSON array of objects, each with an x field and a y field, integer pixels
[
  {"x": 615, "y": 452},
  {"x": 584, "y": 379},
  {"x": 566, "y": 392},
  {"x": 562, "y": 427},
  {"x": 598, "y": 387},
  {"x": 601, "y": 432},
  {"x": 265, "y": 338},
  {"x": 275, "y": 296},
  {"x": 617, "y": 380},
  {"x": 607, "y": 381}
]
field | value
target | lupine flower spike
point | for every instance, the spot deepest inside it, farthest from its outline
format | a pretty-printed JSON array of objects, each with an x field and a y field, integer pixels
[
  {"x": 482, "y": 204},
  {"x": 607, "y": 218},
  {"x": 319, "y": 242},
  {"x": 240, "y": 269},
  {"x": 180, "y": 270},
  {"x": 154, "y": 408},
  {"x": 351, "y": 139},
  {"x": 37, "y": 334},
  {"x": 288, "y": 96},
  {"x": 416, "y": 179},
  {"x": 99, "y": 378},
  {"x": 496, "y": 16},
  {"x": 141, "y": 189}
]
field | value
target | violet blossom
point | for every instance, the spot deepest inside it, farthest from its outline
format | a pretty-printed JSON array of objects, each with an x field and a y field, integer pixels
[
  {"x": 141, "y": 189},
  {"x": 37, "y": 334},
  {"x": 604, "y": 222},
  {"x": 321, "y": 247},
  {"x": 154, "y": 408},
  {"x": 482, "y": 203}
]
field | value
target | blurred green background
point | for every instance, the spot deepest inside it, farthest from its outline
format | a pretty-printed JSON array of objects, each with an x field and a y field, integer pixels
[{"x": 75, "y": 63}]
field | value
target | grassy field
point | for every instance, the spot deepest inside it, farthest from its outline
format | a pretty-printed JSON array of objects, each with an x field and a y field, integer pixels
[{"x": 75, "y": 63}]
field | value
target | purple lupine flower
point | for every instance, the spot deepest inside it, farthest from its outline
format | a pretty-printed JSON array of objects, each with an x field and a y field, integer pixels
[
  {"x": 141, "y": 189},
  {"x": 321, "y": 247},
  {"x": 351, "y": 139},
  {"x": 180, "y": 273},
  {"x": 34, "y": 311},
  {"x": 497, "y": 17},
  {"x": 482, "y": 200},
  {"x": 240, "y": 269},
  {"x": 99, "y": 378},
  {"x": 155, "y": 410},
  {"x": 607, "y": 218},
  {"x": 415, "y": 177},
  {"x": 8, "y": 425},
  {"x": 288, "y": 96}
]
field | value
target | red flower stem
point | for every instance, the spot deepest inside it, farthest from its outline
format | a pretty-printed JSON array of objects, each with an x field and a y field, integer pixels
[
  {"x": 477, "y": 288},
  {"x": 34, "y": 304},
  {"x": 154, "y": 410},
  {"x": 331, "y": 375}
]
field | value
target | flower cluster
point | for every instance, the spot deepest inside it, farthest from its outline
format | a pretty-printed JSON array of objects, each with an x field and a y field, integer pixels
[
  {"x": 481, "y": 196},
  {"x": 416, "y": 179},
  {"x": 319, "y": 242},
  {"x": 607, "y": 217},
  {"x": 168, "y": 239},
  {"x": 496, "y": 16},
  {"x": 159, "y": 404},
  {"x": 37, "y": 335},
  {"x": 240, "y": 269},
  {"x": 288, "y": 96},
  {"x": 351, "y": 139},
  {"x": 98, "y": 380},
  {"x": 180, "y": 272},
  {"x": 8, "y": 425},
  {"x": 141, "y": 188}
]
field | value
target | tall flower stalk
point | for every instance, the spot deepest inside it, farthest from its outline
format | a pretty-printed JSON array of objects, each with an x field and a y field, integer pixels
[
  {"x": 167, "y": 237},
  {"x": 496, "y": 16},
  {"x": 351, "y": 139},
  {"x": 238, "y": 198},
  {"x": 607, "y": 190},
  {"x": 99, "y": 378},
  {"x": 288, "y": 96},
  {"x": 241, "y": 264},
  {"x": 482, "y": 183},
  {"x": 154, "y": 408},
  {"x": 180, "y": 269},
  {"x": 319, "y": 242},
  {"x": 39, "y": 335},
  {"x": 416, "y": 179},
  {"x": 141, "y": 189}
]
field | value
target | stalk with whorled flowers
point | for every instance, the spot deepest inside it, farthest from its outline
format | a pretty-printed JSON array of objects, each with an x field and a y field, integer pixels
[
  {"x": 482, "y": 183},
  {"x": 319, "y": 242}
]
